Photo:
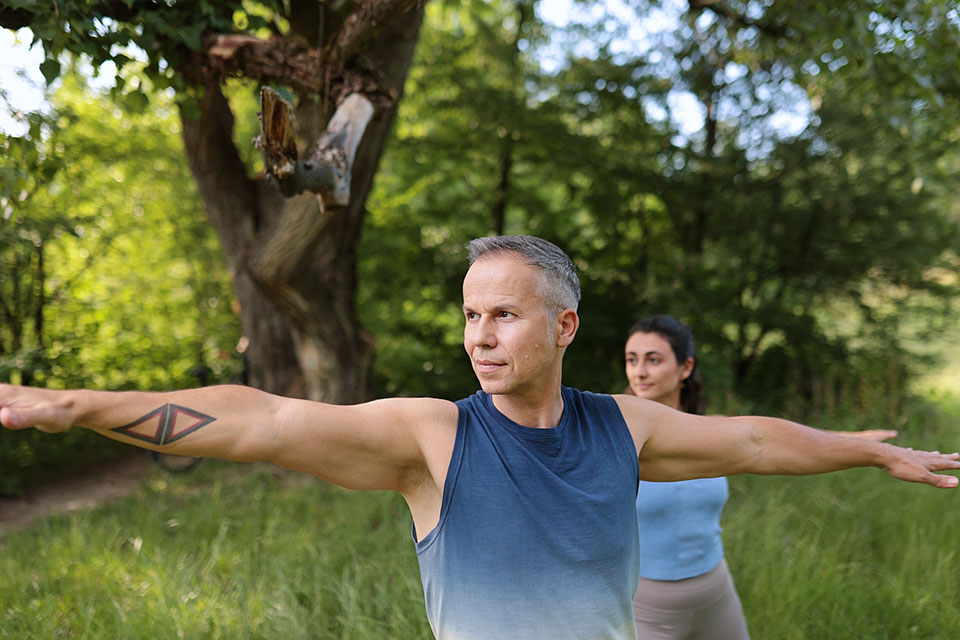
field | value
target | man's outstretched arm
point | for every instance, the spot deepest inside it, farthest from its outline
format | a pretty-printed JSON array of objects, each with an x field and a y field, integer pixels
[
  {"x": 376, "y": 445},
  {"x": 677, "y": 446}
]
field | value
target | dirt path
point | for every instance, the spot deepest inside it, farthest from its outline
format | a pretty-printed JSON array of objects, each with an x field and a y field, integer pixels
[{"x": 88, "y": 488}]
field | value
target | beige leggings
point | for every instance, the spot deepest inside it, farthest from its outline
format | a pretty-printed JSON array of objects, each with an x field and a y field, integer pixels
[{"x": 701, "y": 608}]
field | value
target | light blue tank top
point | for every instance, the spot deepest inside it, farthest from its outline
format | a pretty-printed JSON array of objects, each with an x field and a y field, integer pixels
[
  {"x": 679, "y": 526},
  {"x": 537, "y": 536}
]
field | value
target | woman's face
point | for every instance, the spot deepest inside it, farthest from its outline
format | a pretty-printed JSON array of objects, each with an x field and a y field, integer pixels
[{"x": 652, "y": 369}]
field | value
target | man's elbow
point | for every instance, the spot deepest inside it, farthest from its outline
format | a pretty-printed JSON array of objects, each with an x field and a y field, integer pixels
[{"x": 749, "y": 457}]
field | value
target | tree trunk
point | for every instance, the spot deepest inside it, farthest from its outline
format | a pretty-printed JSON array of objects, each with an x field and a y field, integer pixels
[{"x": 305, "y": 338}]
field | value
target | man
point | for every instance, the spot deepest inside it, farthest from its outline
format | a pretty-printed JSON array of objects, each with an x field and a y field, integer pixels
[{"x": 522, "y": 495}]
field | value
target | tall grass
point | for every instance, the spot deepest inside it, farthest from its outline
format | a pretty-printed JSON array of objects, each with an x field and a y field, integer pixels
[
  {"x": 234, "y": 551},
  {"x": 852, "y": 554},
  {"x": 248, "y": 552}
]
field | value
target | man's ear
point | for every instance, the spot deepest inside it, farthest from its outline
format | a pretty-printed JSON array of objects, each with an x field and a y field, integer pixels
[{"x": 567, "y": 324}]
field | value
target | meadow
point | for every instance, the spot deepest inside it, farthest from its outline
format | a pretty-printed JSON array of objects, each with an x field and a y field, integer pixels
[{"x": 250, "y": 551}]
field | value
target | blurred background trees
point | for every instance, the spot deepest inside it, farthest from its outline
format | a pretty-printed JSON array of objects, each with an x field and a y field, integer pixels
[{"x": 780, "y": 177}]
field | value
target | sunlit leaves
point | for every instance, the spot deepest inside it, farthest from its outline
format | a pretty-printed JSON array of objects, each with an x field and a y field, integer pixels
[
  {"x": 160, "y": 34},
  {"x": 763, "y": 235}
]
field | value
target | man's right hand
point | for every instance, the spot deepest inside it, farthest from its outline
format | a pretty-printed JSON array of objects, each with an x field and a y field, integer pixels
[{"x": 43, "y": 409}]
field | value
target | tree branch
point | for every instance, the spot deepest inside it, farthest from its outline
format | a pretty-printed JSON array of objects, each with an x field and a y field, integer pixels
[
  {"x": 718, "y": 8},
  {"x": 290, "y": 61},
  {"x": 286, "y": 60},
  {"x": 362, "y": 25},
  {"x": 327, "y": 171},
  {"x": 280, "y": 251}
]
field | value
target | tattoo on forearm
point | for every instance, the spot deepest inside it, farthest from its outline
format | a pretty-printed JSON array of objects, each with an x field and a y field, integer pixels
[{"x": 165, "y": 424}]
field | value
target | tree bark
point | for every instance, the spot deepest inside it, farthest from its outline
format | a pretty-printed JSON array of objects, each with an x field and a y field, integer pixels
[{"x": 294, "y": 258}]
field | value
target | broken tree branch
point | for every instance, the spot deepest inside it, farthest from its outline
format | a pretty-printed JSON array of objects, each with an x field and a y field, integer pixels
[{"x": 327, "y": 171}]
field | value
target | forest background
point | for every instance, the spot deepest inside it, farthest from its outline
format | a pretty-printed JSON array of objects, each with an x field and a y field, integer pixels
[
  {"x": 784, "y": 182},
  {"x": 781, "y": 177}
]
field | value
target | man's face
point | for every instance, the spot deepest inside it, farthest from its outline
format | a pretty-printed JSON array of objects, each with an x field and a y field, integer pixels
[{"x": 509, "y": 334}]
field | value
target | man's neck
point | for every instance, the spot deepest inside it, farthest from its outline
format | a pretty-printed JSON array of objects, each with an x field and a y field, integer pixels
[{"x": 540, "y": 410}]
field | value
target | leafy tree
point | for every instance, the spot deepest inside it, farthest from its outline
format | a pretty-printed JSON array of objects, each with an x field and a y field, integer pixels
[
  {"x": 290, "y": 240},
  {"x": 799, "y": 257},
  {"x": 133, "y": 291},
  {"x": 24, "y": 169},
  {"x": 793, "y": 253}
]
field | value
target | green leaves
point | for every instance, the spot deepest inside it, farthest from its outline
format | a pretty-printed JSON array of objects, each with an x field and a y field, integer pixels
[
  {"x": 159, "y": 34},
  {"x": 798, "y": 257},
  {"x": 803, "y": 252},
  {"x": 50, "y": 69}
]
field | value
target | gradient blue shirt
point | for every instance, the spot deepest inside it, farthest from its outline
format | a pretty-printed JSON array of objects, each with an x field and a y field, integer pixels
[
  {"x": 537, "y": 536},
  {"x": 679, "y": 525}
]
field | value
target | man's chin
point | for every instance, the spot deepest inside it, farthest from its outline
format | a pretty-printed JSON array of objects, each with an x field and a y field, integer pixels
[{"x": 494, "y": 387}]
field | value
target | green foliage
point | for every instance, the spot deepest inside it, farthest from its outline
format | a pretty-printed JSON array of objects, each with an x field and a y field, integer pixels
[
  {"x": 112, "y": 278},
  {"x": 163, "y": 35},
  {"x": 137, "y": 285},
  {"x": 806, "y": 262},
  {"x": 850, "y": 554},
  {"x": 227, "y": 552},
  {"x": 248, "y": 551}
]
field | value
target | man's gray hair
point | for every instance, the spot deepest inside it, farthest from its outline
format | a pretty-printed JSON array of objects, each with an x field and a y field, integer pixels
[{"x": 559, "y": 285}]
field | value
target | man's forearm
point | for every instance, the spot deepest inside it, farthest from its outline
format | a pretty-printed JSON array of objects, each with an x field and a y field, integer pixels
[
  {"x": 226, "y": 422},
  {"x": 792, "y": 449}
]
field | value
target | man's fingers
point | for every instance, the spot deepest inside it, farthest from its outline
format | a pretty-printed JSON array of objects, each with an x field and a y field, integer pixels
[
  {"x": 945, "y": 464},
  {"x": 945, "y": 482},
  {"x": 13, "y": 418},
  {"x": 942, "y": 462},
  {"x": 43, "y": 417},
  {"x": 921, "y": 466},
  {"x": 9, "y": 418}
]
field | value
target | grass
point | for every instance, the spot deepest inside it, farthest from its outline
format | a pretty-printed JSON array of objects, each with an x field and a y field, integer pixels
[
  {"x": 232, "y": 551},
  {"x": 248, "y": 552},
  {"x": 852, "y": 554}
]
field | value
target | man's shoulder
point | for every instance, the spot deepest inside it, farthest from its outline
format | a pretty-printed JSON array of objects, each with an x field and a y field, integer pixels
[
  {"x": 633, "y": 406},
  {"x": 420, "y": 410}
]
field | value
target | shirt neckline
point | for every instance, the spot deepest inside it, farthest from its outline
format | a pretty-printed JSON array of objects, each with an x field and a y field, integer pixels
[{"x": 531, "y": 433}]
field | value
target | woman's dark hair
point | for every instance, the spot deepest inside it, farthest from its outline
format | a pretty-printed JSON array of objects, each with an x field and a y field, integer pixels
[{"x": 681, "y": 341}]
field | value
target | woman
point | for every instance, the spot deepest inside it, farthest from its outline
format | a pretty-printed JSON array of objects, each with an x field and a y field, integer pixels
[{"x": 685, "y": 592}]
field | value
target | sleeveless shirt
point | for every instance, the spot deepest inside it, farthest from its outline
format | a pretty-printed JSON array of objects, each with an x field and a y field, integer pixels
[
  {"x": 537, "y": 536},
  {"x": 679, "y": 526}
]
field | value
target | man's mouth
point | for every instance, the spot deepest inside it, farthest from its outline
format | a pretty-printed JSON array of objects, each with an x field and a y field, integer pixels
[{"x": 486, "y": 366}]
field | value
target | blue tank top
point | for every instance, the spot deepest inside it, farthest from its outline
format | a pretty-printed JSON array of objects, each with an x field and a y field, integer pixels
[
  {"x": 537, "y": 536},
  {"x": 679, "y": 526}
]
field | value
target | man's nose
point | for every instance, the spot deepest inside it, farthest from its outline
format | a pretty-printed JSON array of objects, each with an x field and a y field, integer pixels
[{"x": 484, "y": 333}]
